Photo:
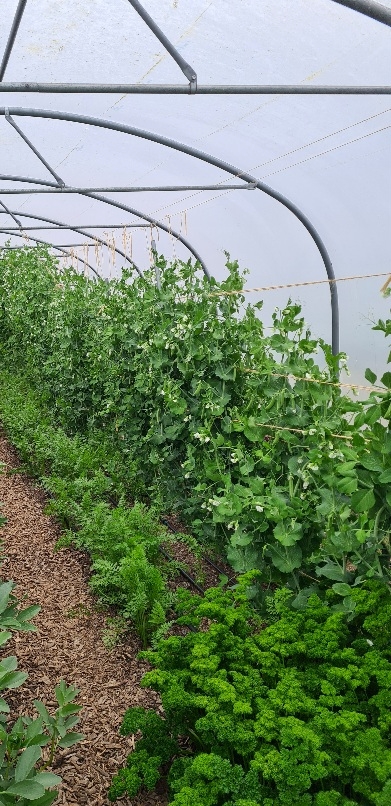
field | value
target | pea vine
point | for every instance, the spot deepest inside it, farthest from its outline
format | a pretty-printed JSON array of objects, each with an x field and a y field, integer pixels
[{"x": 244, "y": 432}]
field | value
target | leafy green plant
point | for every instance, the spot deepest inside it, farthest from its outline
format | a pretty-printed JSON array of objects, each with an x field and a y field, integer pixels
[
  {"x": 24, "y": 775},
  {"x": 293, "y": 713},
  {"x": 23, "y": 768},
  {"x": 243, "y": 433},
  {"x": 123, "y": 541},
  {"x": 115, "y": 629}
]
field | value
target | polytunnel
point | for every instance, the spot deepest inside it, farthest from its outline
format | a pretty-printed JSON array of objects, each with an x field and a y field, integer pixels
[
  {"x": 130, "y": 125},
  {"x": 195, "y": 402}
]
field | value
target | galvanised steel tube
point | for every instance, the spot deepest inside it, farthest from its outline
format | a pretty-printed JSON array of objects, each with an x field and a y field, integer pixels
[
  {"x": 201, "y": 155},
  {"x": 370, "y": 8},
  {"x": 186, "y": 68},
  {"x": 46, "y": 243},
  {"x": 206, "y": 89},
  {"x": 158, "y": 188},
  {"x": 81, "y": 232},
  {"x": 11, "y": 39},
  {"x": 84, "y": 226}
]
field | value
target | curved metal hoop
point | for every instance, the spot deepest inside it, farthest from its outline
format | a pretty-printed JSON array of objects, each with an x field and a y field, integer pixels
[
  {"x": 75, "y": 229},
  {"x": 153, "y": 221},
  {"x": 47, "y": 243},
  {"x": 201, "y": 155}
]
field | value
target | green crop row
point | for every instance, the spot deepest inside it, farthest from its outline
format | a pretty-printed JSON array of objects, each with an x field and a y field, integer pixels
[
  {"x": 82, "y": 478},
  {"x": 296, "y": 713},
  {"x": 244, "y": 434},
  {"x": 176, "y": 395}
]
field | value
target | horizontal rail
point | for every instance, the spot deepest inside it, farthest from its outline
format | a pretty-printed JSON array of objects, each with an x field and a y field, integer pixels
[
  {"x": 82, "y": 226},
  {"x": 21, "y": 191},
  {"x": 54, "y": 245},
  {"x": 203, "y": 89}
]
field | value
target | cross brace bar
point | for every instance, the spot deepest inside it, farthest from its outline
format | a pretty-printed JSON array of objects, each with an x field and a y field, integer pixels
[{"x": 205, "y": 89}]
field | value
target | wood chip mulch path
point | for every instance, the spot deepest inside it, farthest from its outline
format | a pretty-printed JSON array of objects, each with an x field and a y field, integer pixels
[{"x": 68, "y": 644}]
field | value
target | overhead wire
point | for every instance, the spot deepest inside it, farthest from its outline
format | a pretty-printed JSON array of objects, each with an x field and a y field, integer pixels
[
  {"x": 273, "y": 159},
  {"x": 240, "y": 291}
]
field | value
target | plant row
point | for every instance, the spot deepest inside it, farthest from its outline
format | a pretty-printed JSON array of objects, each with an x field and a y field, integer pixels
[
  {"x": 83, "y": 480},
  {"x": 248, "y": 436},
  {"x": 176, "y": 395},
  {"x": 296, "y": 713}
]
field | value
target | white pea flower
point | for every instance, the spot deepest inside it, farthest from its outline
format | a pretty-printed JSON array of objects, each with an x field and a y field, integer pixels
[
  {"x": 369, "y": 642},
  {"x": 259, "y": 508}
]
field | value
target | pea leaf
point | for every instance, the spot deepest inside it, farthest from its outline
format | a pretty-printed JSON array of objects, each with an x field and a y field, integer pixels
[
  {"x": 363, "y": 500},
  {"x": 386, "y": 379},
  {"x": 330, "y": 571},
  {"x": 342, "y": 588},
  {"x": 370, "y": 376},
  {"x": 287, "y": 558}
]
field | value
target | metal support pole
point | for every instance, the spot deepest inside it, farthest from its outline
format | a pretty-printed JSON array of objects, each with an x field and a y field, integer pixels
[
  {"x": 28, "y": 142},
  {"x": 370, "y": 8},
  {"x": 84, "y": 226},
  {"x": 186, "y": 68},
  {"x": 11, "y": 39},
  {"x": 5, "y": 208},
  {"x": 46, "y": 243},
  {"x": 81, "y": 232},
  {"x": 158, "y": 188},
  {"x": 205, "y": 89}
]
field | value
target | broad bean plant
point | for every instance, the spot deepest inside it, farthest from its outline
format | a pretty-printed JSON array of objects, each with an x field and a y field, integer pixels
[{"x": 28, "y": 745}]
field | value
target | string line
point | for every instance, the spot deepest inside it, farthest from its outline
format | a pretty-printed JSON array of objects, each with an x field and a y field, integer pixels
[{"x": 301, "y": 284}]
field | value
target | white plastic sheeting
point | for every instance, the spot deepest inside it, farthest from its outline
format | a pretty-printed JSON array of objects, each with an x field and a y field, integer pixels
[{"x": 328, "y": 154}]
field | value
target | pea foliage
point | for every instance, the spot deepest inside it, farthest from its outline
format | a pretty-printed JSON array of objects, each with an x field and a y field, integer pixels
[{"x": 246, "y": 434}]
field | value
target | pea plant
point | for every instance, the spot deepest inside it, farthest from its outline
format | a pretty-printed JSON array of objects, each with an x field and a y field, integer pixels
[{"x": 248, "y": 436}]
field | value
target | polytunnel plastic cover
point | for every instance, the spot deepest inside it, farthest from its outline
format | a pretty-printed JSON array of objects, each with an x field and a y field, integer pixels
[{"x": 328, "y": 154}]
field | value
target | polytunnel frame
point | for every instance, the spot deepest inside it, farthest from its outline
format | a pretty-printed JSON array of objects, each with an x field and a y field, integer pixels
[
  {"x": 370, "y": 8},
  {"x": 211, "y": 160}
]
